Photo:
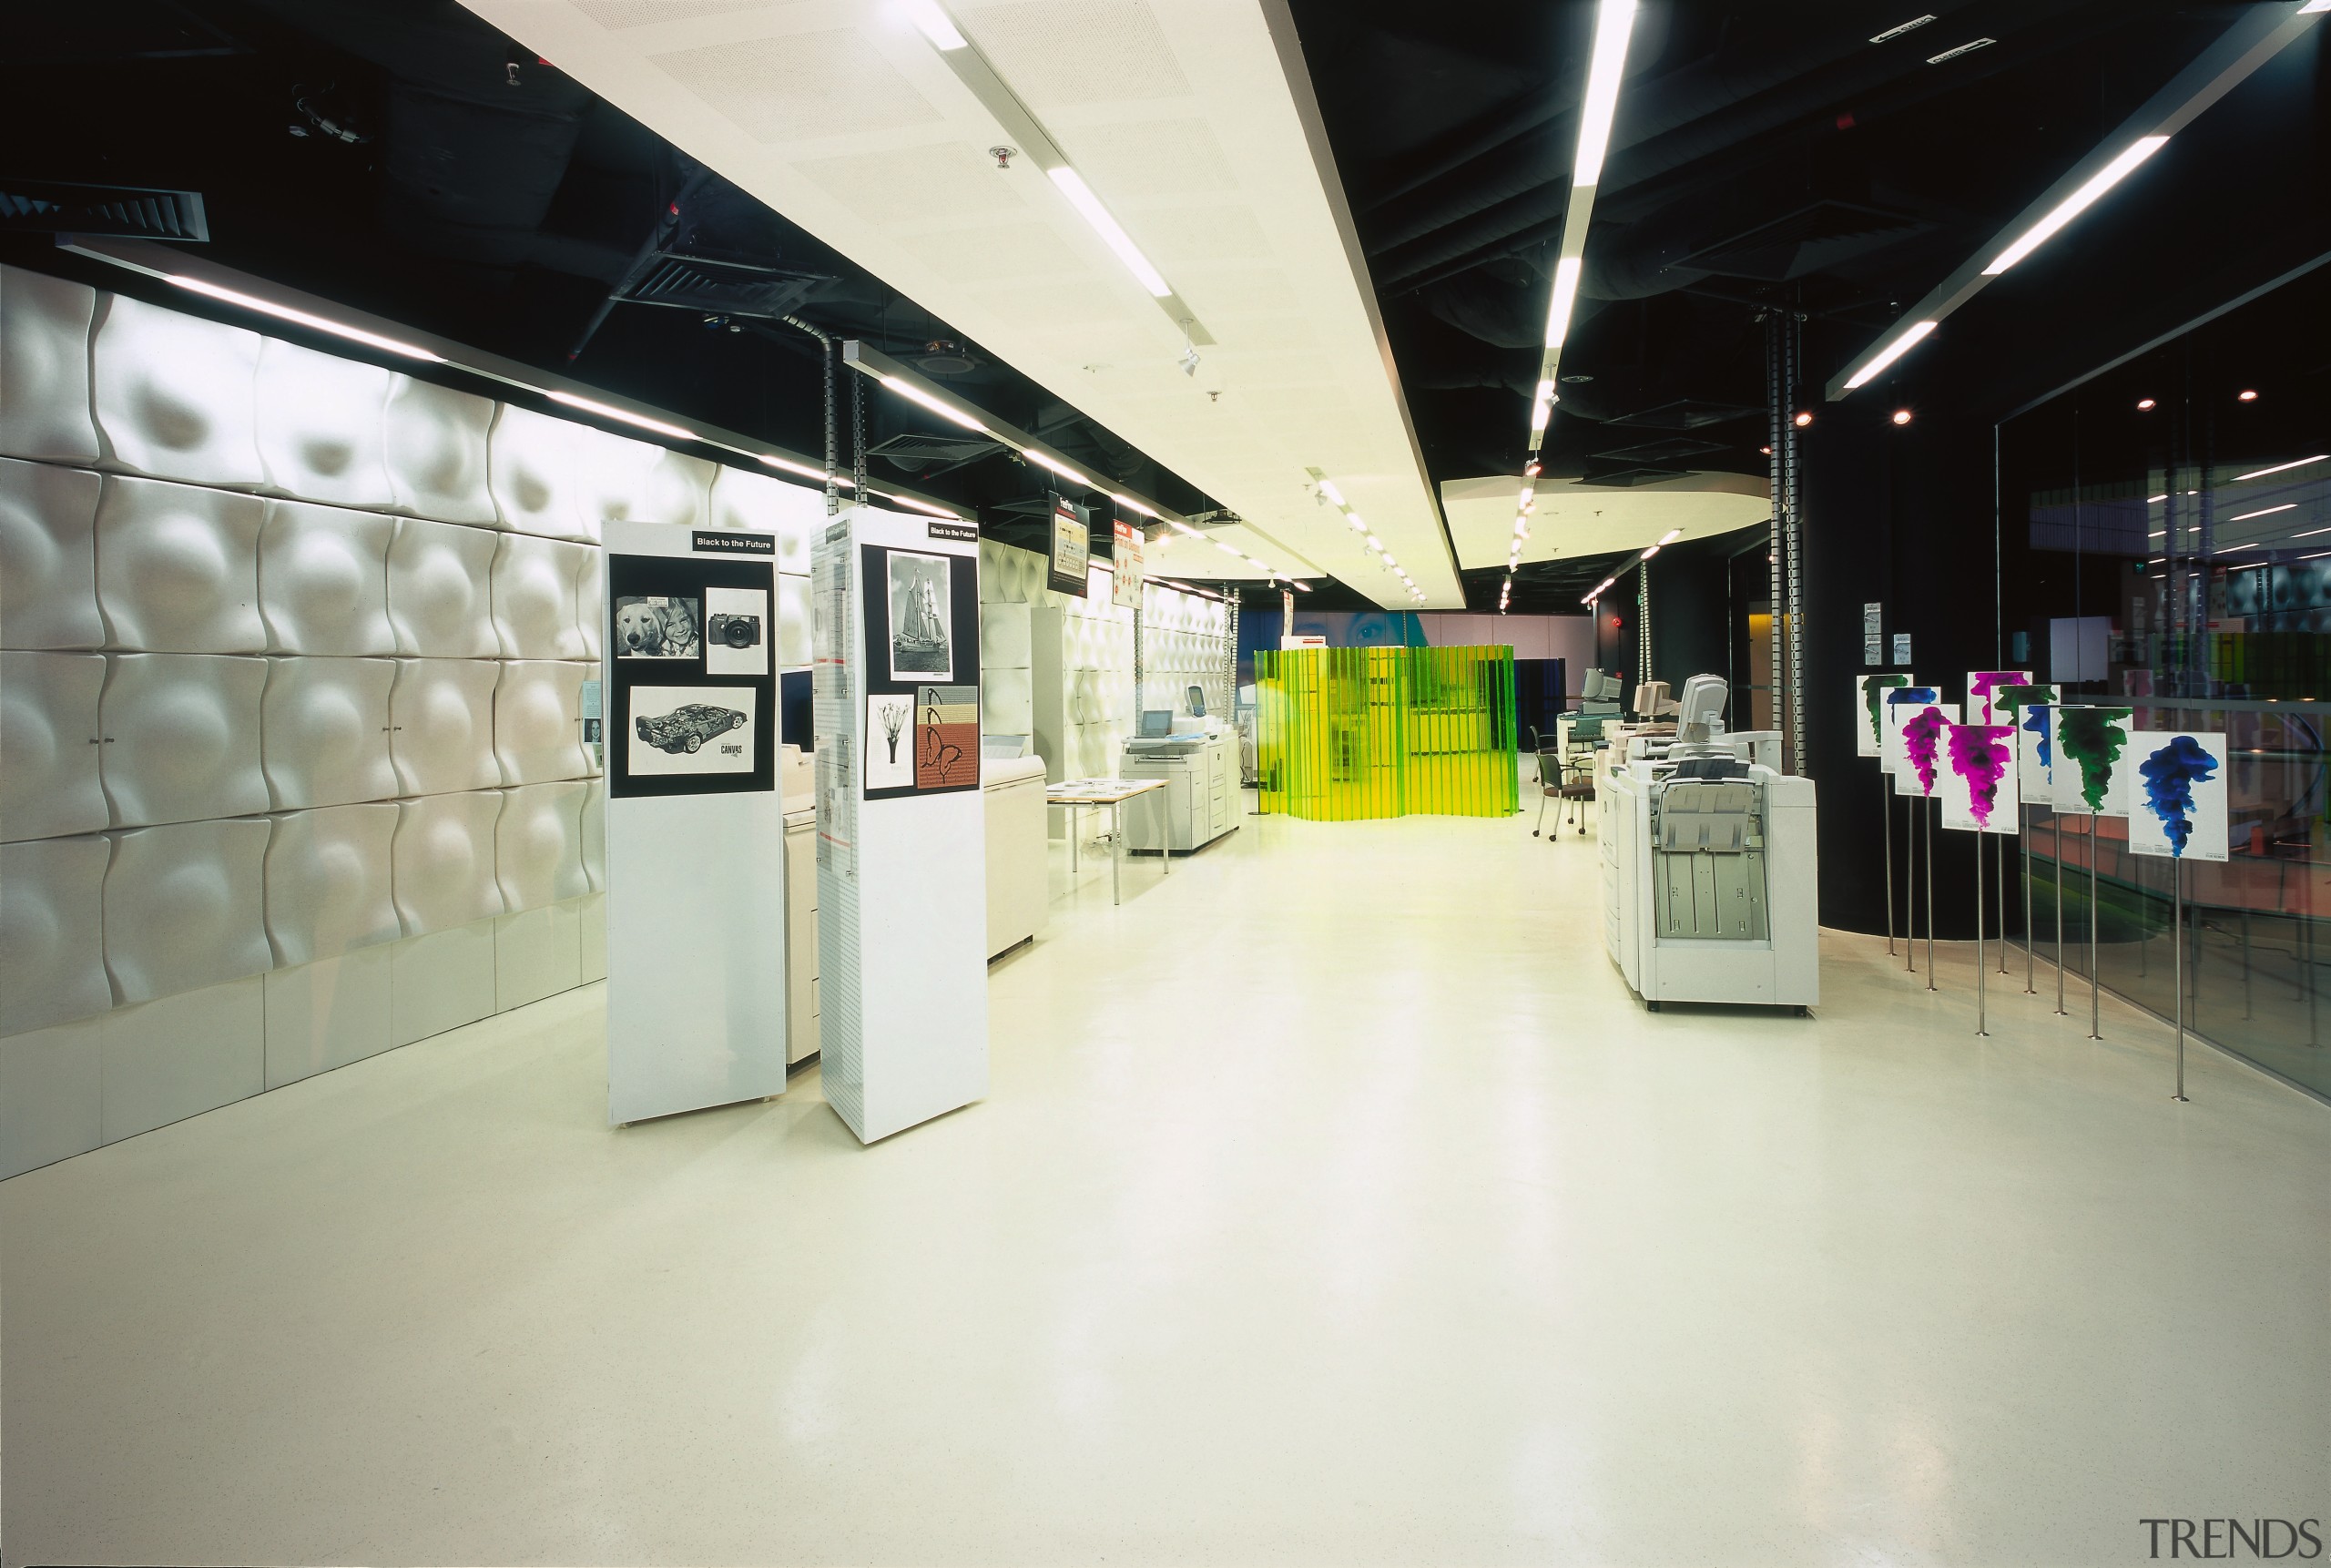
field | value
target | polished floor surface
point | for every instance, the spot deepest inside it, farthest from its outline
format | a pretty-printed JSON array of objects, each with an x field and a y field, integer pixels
[{"x": 1334, "y": 1203}]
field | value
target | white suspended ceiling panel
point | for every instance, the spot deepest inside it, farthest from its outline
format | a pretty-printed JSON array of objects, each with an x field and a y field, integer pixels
[
  {"x": 1182, "y": 116},
  {"x": 1574, "y": 520}
]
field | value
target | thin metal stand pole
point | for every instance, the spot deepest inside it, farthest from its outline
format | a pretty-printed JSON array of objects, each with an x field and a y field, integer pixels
[
  {"x": 2023, "y": 842},
  {"x": 1886, "y": 809},
  {"x": 1929, "y": 818},
  {"x": 1981, "y": 976},
  {"x": 2057, "y": 829},
  {"x": 1999, "y": 864},
  {"x": 2095, "y": 983},
  {"x": 2177, "y": 875}
]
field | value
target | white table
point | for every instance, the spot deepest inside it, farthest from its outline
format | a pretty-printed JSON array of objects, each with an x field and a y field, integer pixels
[{"x": 1113, "y": 793}]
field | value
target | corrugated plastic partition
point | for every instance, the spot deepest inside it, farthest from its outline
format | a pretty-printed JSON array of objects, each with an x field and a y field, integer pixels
[{"x": 1347, "y": 734}]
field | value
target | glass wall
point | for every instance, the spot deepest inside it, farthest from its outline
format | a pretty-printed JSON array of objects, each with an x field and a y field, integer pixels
[
  {"x": 2174, "y": 556},
  {"x": 1351, "y": 733}
]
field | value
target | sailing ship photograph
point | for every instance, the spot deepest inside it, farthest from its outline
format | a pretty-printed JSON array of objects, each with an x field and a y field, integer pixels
[{"x": 923, "y": 639}]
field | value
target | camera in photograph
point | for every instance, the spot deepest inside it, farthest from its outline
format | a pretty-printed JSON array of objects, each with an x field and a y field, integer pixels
[{"x": 733, "y": 631}]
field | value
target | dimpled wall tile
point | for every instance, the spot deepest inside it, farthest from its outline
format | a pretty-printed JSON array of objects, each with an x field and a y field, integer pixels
[
  {"x": 441, "y": 861},
  {"x": 539, "y": 721},
  {"x": 590, "y": 595},
  {"x": 764, "y": 503},
  {"x": 533, "y": 594},
  {"x": 321, "y": 425},
  {"x": 793, "y": 622},
  {"x": 323, "y": 579},
  {"x": 48, "y": 556},
  {"x": 1005, "y": 630},
  {"x": 181, "y": 736},
  {"x": 52, "y": 932},
  {"x": 328, "y": 882},
  {"x": 441, "y": 590},
  {"x": 538, "y": 845},
  {"x": 624, "y": 481},
  {"x": 1005, "y": 704},
  {"x": 434, "y": 441},
  {"x": 175, "y": 395},
  {"x": 595, "y": 836},
  {"x": 182, "y": 907},
  {"x": 534, "y": 468},
  {"x": 441, "y": 725},
  {"x": 48, "y": 745},
  {"x": 178, "y": 567},
  {"x": 45, "y": 367},
  {"x": 324, "y": 731}
]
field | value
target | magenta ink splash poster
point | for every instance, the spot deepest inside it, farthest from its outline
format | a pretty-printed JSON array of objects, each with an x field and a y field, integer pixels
[
  {"x": 2177, "y": 797},
  {"x": 1914, "y": 727},
  {"x": 1981, "y": 685},
  {"x": 1978, "y": 780}
]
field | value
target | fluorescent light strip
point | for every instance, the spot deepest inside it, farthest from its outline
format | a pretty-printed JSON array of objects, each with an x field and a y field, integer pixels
[
  {"x": 1615, "y": 20},
  {"x": 1912, "y": 26},
  {"x": 1130, "y": 505},
  {"x": 1057, "y": 466},
  {"x": 1966, "y": 49},
  {"x": 2283, "y": 467},
  {"x": 936, "y": 25},
  {"x": 1080, "y": 196},
  {"x": 605, "y": 410},
  {"x": 2264, "y": 512},
  {"x": 2311, "y": 533},
  {"x": 2078, "y": 202},
  {"x": 1910, "y": 339},
  {"x": 939, "y": 406},
  {"x": 803, "y": 469},
  {"x": 921, "y": 505},
  {"x": 302, "y": 317},
  {"x": 1566, "y": 272}
]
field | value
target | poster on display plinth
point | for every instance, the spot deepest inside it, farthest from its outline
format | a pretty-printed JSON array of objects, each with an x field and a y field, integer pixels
[
  {"x": 1869, "y": 691},
  {"x": 1071, "y": 557},
  {"x": 1982, "y": 684},
  {"x": 2091, "y": 771},
  {"x": 2179, "y": 809},
  {"x": 2030, "y": 709},
  {"x": 1125, "y": 561},
  {"x": 1913, "y": 737},
  {"x": 694, "y": 824},
  {"x": 1976, "y": 782}
]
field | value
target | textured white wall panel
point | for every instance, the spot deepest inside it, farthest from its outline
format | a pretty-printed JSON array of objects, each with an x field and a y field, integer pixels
[
  {"x": 538, "y": 845},
  {"x": 441, "y": 725},
  {"x": 434, "y": 443},
  {"x": 539, "y": 721},
  {"x": 763, "y": 504},
  {"x": 324, "y": 731},
  {"x": 178, "y": 567},
  {"x": 595, "y": 836},
  {"x": 328, "y": 882},
  {"x": 536, "y": 582},
  {"x": 48, "y": 745},
  {"x": 793, "y": 622},
  {"x": 620, "y": 480},
  {"x": 1005, "y": 704},
  {"x": 181, "y": 736},
  {"x": 440, "y": 590},
  {"x": 321, "y": 425},
  {"x": 45, "y": 367},
  {"x": 590, "y": 591},
  {"x": 441, "y": 861},
  {"x": 48, "y": 556},
  {"x": 1004, "y": 637},
  {"x": 536, "y": 467},
  {"x": 175, "y": 395},
  {"x": 323, "y": 580},
  {"x": 182, "y": 907},
  {"x": 52, "y": 933}
]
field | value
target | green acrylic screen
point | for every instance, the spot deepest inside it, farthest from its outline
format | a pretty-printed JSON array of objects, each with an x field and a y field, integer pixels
[{"x": 1347, "y": 734}]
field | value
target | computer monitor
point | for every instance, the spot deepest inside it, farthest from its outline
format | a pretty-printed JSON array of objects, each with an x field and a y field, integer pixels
[
  {"x": 1652, "y": 701},
  {"x": 1157, "y": 723},
  {"x": 1700, "y": 715},
  {"x": 1597, "y": 686}
]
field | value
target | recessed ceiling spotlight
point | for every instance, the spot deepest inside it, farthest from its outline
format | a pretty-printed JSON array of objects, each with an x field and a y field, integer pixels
[
  {"x": 2245, "y": 396},
  {"x": 1901, "y": 416},
  {"x": 1766, "y": 450},
  {"x": 2144, "y": 405},
  {"x": 1803, "y": 417}
]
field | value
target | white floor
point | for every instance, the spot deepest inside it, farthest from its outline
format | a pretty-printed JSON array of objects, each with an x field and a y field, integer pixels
[{"x": 1334, "y": 1203}]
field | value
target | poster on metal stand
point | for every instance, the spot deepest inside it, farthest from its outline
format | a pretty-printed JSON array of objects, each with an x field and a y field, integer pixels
[
  {"x": 695, "y": 829},
  {"x": 1913, "y": 754},
  {"x": 901, "y": 827},
  {"x": 2026, "y": 708},
  {"x": 2090, "y": 779},
  {"x": 1977, "y": 793},
  {"x": 1868, "y": 717},
  {"x": 2178, "y": 812}
]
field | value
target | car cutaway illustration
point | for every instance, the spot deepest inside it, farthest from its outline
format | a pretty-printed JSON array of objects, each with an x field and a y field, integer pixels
[{"x": 687, "y": 728}]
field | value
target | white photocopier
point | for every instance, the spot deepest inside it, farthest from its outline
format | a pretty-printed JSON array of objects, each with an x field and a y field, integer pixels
[
  {"x": 1197, "y": 755},
  {"x": 1709, "y": 865}
]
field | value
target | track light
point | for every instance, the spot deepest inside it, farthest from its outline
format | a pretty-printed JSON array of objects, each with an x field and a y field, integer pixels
[
  {"x": 2144, "y": 405},
  {"x": 2246, "y": 396},
  {"x": 1804, "y": 417},
  {"x": 2078, "y": 202},
  {"x": 1901, "y": 416}
]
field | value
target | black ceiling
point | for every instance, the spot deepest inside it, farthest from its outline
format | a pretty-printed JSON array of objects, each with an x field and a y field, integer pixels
[{"x": 1772, "y": 155}]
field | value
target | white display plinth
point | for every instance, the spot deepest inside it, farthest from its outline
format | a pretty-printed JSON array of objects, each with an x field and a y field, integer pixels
[
  {"x": 696, "y": 832},
  {"x": 901, "y": 830}
]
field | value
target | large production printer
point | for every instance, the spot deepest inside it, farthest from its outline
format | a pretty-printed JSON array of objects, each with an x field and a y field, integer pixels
[{"x": 1709, "y": 868}]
